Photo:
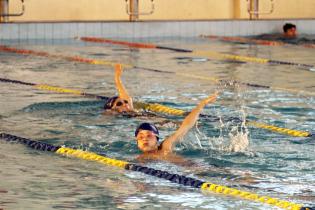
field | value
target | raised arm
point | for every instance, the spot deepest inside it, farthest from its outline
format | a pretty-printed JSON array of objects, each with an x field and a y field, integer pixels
[
  {"x": 122, "y": 92},
  {"x": 187, "y": 124}
]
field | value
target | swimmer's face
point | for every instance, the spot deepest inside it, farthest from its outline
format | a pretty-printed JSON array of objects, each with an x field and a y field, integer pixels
[
  {"x": 147, "y": 141},
  {"x": 291, "y": 32},
  {"x": 121, "y": 105}
]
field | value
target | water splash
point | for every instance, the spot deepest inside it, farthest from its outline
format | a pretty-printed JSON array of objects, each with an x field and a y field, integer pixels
[
  {"x": 238, "y": 141},
  {"x": 238, "y": 136},
  {"x": 232, "y": 137}
]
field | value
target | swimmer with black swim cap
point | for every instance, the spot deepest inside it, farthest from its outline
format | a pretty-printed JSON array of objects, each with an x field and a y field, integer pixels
[
  {"x": 289, "y": 30},
  {"x": 147, "y": 135},
  {"x": 123, "y": 102}
]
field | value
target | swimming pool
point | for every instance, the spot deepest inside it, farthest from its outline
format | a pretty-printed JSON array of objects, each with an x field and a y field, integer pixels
[{"x": 278, "y": 165}]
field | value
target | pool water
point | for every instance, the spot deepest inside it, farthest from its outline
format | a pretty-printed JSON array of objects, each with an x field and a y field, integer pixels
[{"x": 243, "y": 157}]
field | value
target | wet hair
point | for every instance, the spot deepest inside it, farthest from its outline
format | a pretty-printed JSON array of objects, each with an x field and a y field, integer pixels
[
  {"x": 148, "y": 127},
  {"x": 288, "y": 26},
  {"x": 110, "y": 102}
]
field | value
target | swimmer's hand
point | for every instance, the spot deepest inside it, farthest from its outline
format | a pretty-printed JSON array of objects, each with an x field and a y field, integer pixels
[{"x": 212, "y": 98}]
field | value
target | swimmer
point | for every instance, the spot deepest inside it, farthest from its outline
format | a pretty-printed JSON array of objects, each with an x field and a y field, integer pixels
[
  {"x": 123, "y": 105},
  {"x": 123, "y": 102},
  {"x": 147, "y": 136},
  {"x": 288, "y": 36},
  {"x": 289, "y": 30}
]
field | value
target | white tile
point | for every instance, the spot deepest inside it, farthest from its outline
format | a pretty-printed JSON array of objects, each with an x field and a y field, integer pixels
[
  {"x": 107, "y": 30},
  {"x": 255, "y": 28},
  {"x": 146, "y": 32},
  {"x": 172, "y": 29},
  {"x": 116, "y": 29},
  {"x": 305, "y": 27},
  {"x": 160, "y": 28},
  {"x": 81, "y": 30},
  {"x": 10, "y": 31},
  {"x": 309, "y": 27},
  {"x": 209, "y": 28},
  {"x": 124, "y": 30},
  {"x": 275, "y": 26},
  {"x": 93, "y": 29},
  {"x": 90, "y": 29},
  {"x": 219, "y": 29},
  {"x": 156, "y": 29},
  {"x": 213, "y": 27},
  {"x": 57, "y": 30},
  {"x": 137, "y": 30},
  {"x": 152, "y": 28},
  {"x": 31, "y": 31},
  {"x": 187, "y": 29},
  {"x": 243, "y": 28},
  {"x": 132, "y": 27},
  {"x": 202, "y": 28},
  {"x": 235, "y": 27},
  {"x": 181, "y": 29},
  {"x": 250, "y": 28},
  {"x": 73, "y": 30},
  {"x": 39, "y": 31},
  {"x": 23, "y": 31},
  {"x": 48, "y": 28},
  {"x": 175, "y": 30},
  {"x": 262, "y": 27},
  {"x": 227, "y": 28}
]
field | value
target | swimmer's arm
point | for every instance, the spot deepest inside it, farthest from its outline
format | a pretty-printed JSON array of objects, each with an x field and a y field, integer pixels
[
  {"x": 122, "y": 92},
  {"x": 187, "y": 124}
]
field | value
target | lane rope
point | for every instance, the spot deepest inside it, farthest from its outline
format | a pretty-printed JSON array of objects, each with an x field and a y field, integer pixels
[
  {"x": 130, "y": 44},
  {"x": 54, "y": 89},
  {"x": 158, "y": 108},
  {"x": 286, "y": 131},
  {"x": 210, "y": 54},
  {"x": 112, "y": 64},
  {"x": 254, "y": 59},
  {"x": 79, "y": 59},
  {"x": 174, "y": 178}
]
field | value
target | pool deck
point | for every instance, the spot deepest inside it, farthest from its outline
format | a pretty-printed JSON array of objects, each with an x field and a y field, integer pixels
[{"x": 66, "y": 30}]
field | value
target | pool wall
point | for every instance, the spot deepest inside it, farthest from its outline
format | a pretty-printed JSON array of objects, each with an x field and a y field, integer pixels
[{"x": 66, "y": 30}]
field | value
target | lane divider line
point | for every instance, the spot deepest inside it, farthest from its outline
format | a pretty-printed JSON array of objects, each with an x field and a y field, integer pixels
[
  {"x": 174, "y": 178},
  {"x": 210, "y": 54},
  {"x": 54, "y": 89},
  {"x": 112, "y": 64},
  {"x": 158, "y": 108},
  {"x": 130, "y": 44}
]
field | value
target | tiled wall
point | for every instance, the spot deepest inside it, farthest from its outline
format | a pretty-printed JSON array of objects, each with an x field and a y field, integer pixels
[{"x": 24, "y": 31}]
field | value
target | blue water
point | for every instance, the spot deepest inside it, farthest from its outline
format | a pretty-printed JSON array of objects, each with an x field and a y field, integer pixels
[{"x": 272, "y": 164}]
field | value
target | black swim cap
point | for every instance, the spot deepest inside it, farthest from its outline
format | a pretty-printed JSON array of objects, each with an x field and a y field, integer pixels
[
  {"x": 288, "y": 26},
  {"x": 148, "y": 127},
  {"x": 110, "y": 102}
]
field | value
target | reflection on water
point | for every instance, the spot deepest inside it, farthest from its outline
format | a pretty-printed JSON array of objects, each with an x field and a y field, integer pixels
[{"x": 222, "y": 148}]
